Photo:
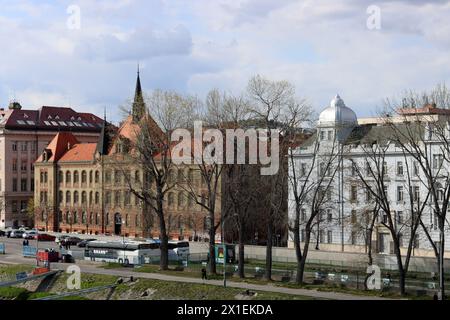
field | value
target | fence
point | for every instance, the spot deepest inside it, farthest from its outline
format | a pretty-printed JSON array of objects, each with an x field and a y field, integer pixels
[
  {"x": 29, "y": 252},
  {"x": 2, "y": 248}
]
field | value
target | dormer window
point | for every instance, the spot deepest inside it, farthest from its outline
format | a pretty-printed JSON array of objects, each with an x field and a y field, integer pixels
[
  {"x": 25, "y": 116},
  {"x": 57, "y": 117},
  {"x": 49, "y": 117}
]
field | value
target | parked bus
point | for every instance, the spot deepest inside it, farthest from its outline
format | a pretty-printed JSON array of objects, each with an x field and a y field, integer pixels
[
  {"x": 131, "y": 252},
  {"x": 180, "y": 248}
]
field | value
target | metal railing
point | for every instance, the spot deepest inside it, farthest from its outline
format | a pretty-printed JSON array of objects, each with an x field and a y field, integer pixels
[
  {"x": 2, "y": 248},
  {"x": 29, "y": 252}
]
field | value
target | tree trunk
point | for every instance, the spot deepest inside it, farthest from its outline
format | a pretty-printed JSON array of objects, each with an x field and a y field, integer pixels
[
  {"x": 302, "y": 264},
  {"x": 441, "y": 262},
  {"x": 241, "y": 251},
  {"x": 212, "y": 244},
  {"x": 297, "y": 246},
  {"x": 268, "y": 274},
  {"x": 164, "y": 255},
  {"x": 401, "y": 269}
]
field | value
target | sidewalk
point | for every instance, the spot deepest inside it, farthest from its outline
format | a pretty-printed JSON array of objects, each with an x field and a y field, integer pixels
[{"x": 231, "y": 284}]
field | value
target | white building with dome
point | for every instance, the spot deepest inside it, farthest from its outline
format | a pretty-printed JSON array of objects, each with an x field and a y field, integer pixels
[{"x": 341, "y": 225}]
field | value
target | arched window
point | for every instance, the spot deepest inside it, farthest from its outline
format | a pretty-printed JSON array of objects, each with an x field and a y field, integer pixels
[
  {"x": 61, "y": 177},
  {"x": 108, "y": 176},
  {"x": 83, "y": 217},
  {"x": 97, "y": 198},
  {"x": 83, "y": 176},
  {"x": 75, "y": 198},
  {"x": 90, "y": 218},
  {"x": 68, "y": 198},
  {"x": 61, "y": 197},
  {"x": 76, "y": 177},
  {"x": 90, "y": 177},
  {"x": 181, "y": 200},
  {"x": 83, "y": 197},
  {"x": 171, "y": 199},
  {"x": 97, "y": 176},
  {"x": 68, "y": 177},
  {"x": 75, "y": 217},
  {"x": 117, "y": 198},
  {"x": 91, "y": 197},
  {"x": 137, "y": 176}
]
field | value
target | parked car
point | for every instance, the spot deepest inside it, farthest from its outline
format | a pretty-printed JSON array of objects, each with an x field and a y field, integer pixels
[
  {"x": 16, "y": 234},
  {"x": 60, "y": 239},
  {"x": 30, "y": 235},
  {"x": 83, "y": 243},
  {"x": 45, "y": 237},
  {"x": 67, "y": 258},
  {"x": 72, "y": 241}
]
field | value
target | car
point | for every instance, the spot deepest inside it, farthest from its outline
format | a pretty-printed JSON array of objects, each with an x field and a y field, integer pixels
[
  {"x": 83, "y": 243},
  {"x": 72, "y": 241},
  {"x": 67, "y": 258},
  {"x": 44, "y": 237},
  {"x": 30, "y": 235},
  {"x": 60, "y": 239},
  {"x": 16, "y": 234},
  {"x": 2, "y": 233}
]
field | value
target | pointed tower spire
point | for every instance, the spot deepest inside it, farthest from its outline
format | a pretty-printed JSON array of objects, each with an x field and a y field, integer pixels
[{"x": 139, "y": 107}]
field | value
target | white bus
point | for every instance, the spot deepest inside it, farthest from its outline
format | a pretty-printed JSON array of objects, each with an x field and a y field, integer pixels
[
  {"x": 180, "y": 248},
  {"x": 128, "y": 253}
]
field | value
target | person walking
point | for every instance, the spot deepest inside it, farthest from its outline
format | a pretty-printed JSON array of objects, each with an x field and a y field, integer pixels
[{"x": 204, "y": 275}]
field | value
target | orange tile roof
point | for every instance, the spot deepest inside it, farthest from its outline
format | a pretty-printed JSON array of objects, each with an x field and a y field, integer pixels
[
  {"x": 80, "y": 152},
  {"x": 58, "y": 146}
]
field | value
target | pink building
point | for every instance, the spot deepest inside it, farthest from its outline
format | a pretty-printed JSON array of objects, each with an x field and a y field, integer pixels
[{"x": 23, "y": 136}]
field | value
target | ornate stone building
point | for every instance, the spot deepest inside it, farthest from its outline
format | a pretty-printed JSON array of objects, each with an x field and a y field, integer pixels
[{"x": 85, "y": 187}]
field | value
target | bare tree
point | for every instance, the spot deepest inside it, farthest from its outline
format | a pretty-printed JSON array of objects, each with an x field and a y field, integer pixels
[
  {"x": 150, "y": 151},
  {"x": 424, "y": 136}
]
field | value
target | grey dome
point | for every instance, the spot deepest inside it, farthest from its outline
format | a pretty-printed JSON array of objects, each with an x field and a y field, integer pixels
[{"x": 337, "y": 114}]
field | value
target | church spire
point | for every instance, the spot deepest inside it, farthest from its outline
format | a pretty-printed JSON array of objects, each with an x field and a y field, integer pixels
[{"x": 139, "y": 107}]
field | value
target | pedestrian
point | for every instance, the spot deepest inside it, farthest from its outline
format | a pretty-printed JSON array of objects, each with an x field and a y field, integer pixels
[
  {"x": 24, "y": 243},
  {"x": 435, "y": 297},
  {"x": 204, "y": 275}
]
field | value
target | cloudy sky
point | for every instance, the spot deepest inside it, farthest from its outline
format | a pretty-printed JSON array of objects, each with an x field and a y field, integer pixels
[{"x": 323, "y": 46}]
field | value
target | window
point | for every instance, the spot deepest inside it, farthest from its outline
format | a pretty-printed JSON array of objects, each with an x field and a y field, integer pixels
[
  {"x": 400, "y": 193},
  {"x": 438, "y": 160},
  {"x": 322, "y": 135},
  {"x": 353, "y": 217},
  {"x": 171, "y": 199},
  {"x": 97, "y": 177},
  {"x": 303, "y": 215},
  {"x": 354, "y": 193},
  {"x": 329, "y": 215},
  {"x": 24, "y": 146},
  {"x": 416, "y": 193},
  {"x": 330, "y": 135},
  {"x": 117, "y": 198},
  {"x": 127, "y": 198},
  {"x": 108, "y": 176},
  {"x": 416, "y": 168},
  {"x": 68, "y": 177},
  {"x": 14, "y": 146},
  {"x": 400, "y": 217},
  {"x": 61, "y": 177},
  {"x": 90, "y": 177},
  {"x": 83, "y": 177},
  {"x": 330, "y": 236},
  {"x": 61, "y": 197},
  {"x": 354, "y": 169},
  {"x": 399, "y": 168},
  {"x": 385, "y": 168},
  {"x": 32, "y": 184},
  {"x": 440, "y": 194},
  {"x": 83, "y": 217},
  {"x": 75, "y": 217},
  {"x": 368, "y": 169},
  {"x": 181, "y": 200},
  {"x": 97, "y": 198},
  {"x": 23, "y": 185},
  {"x": 117, "y": 177},
  {"x": 322, "y": 236},
  {"x": 75, "y": 198},
  {"x": 14, "y": 186},
  {"x": 137, "y": 176},
  {"x": 14, "y": 165},
  {"x": 23, "y": 165},
  {"x": 14, "y": 206},
  {"x": 84, "y": 197},
  {"x": 68, "y": 198},
  {"x": 108, "y": 197},
  {"x": 303, "y": 170},
  {"x": 76, "y": 177}
]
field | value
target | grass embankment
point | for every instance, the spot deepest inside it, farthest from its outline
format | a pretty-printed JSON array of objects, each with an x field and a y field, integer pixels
[{"x": 148, "y": 289}]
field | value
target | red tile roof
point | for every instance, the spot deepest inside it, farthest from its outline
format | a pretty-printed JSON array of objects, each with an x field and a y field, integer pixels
[
  {"x": 80, "y": 152},
  {"x": 59, "y": 146}
]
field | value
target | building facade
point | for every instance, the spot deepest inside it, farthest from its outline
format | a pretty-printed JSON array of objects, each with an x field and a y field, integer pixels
[
  {"x": 342, "y": 140},
  {"x": 86, "y": 187},
  {"x": 24, "y": 134}
]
